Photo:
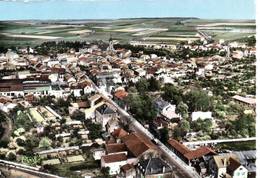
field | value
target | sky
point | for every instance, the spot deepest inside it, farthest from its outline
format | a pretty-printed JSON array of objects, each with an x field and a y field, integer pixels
[{"x": 114, "y": 9}]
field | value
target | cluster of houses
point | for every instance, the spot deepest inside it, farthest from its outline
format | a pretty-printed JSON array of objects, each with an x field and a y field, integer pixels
[
  {"x": 210, "y": 163},
  {"x": 126, "y": 153}
]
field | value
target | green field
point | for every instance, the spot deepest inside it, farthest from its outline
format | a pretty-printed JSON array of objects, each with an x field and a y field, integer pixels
[
  {"x": 21, "y": 33},
  {"x": 238, "y": 146}
]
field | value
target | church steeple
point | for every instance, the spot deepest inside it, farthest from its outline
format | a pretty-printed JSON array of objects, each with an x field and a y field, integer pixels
[{"x": 111, "y": 44}]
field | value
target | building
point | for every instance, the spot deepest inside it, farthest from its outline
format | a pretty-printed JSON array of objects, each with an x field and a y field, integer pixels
[
  {"x": 104, "y": 114},
  {"x": 245, "y": 101},
  {"x": 190, "y": 157},
  {"x": 201, "y": 115},
  {"x": 154, "y": 168},
  {"x": 114, "y": 162},
  {"x": 127, "y": 171},
  {"x": 228, "y": 165},
  {"x": 248, "y": 160}
]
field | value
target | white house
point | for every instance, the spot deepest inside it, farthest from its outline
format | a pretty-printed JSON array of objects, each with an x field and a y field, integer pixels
[
  {"x": 202, "y": 115},
  {"x": 114, "y": 162},
  {"x": 98, "y": 153},
  {"x": 227, "y": 165},
  {"x": 166, "y": 109}
]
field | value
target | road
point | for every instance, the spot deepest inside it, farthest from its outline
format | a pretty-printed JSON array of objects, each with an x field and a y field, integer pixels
[
  {"x": 204, "y": 35},
  {"x": 182, "y": 169},
  {"x": 207, "y": 142},
  {"x": 22, "y": 169}
]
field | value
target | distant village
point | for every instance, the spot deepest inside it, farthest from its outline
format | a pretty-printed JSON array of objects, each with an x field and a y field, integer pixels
[{"x": 117, "y": 112}]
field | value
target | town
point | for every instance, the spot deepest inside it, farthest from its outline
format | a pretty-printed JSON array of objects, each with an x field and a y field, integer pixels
[{"x": 106, "y": 109}]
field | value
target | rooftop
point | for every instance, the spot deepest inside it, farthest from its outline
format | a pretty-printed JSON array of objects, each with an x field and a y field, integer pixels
[
  {"x": 134, "y": 144},
  {"x": 115, "y": 148},
  {"x": 114, "y": 158}
]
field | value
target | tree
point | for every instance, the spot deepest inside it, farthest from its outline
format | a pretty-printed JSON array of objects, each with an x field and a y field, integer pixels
[
  {"x": 95, "y": 130},
  {"x": 63, "y": 103},
  {"x": 45, "y": 143},
  {"x": 177, "y": 134},
  {"x": 142, "y": 85},
  {"x": 172, "y": 94},
  {"x": 11, "y": 156},
  {"x": 202, "y": 125},
  {"x": 141, "y": 106},
  {"x": 2, "y": 119},
  {"x": 23, "y": 121},
  {"x": 31, "y": 143},
  {"x": 154, "y": 85},
  {"x": 185, "y": 126},
  {"x": 105, "y": 171},
  {"x": 164, "y": 135},
  {"x": 245, "y": 125},
  {"x": 78, "y": 115},
  {"x": 182, "y": 109},
  {"x": 198, "y": 100}
]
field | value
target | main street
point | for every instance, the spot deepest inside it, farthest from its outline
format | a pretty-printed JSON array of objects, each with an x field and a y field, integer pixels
[{"x": 181, "y": 170}]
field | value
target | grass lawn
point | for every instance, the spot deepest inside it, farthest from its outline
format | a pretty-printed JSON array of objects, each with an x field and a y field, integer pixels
[
  {"x": 69, "y": 169},
  {"x": 237, "y": 146}
]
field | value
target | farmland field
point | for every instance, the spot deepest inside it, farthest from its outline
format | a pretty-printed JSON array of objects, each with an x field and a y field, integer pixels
[{"x": 168, "y": 30}]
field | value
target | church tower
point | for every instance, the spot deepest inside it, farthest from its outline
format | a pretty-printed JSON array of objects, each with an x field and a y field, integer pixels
[{"x": 111, "y": 45}]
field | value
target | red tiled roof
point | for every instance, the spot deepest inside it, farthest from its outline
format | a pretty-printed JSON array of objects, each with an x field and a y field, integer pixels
[
  {"x": 134, "y": 144},
  {"x": 83, "y": 104},
  {"x": 190, "y": 154},
  {"x": 127, "y": 167},
  {"x": 178, "y": 146},
  {"x": 114, "y": 158},
  {"x": 121, "y": 94},
  {"x": 119, "y": 133},
  {"x": 115, "y": 148},
  {"x": 199, "y": 153}
]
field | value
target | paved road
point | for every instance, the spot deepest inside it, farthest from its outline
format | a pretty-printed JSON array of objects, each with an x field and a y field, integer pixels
[
  {"x": 25, "y": 170},
  {"x": 207, "y": 142},
  {"x": 182, "y": 169}
]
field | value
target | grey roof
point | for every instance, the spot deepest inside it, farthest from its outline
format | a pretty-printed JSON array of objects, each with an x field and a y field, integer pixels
[
  {"x": 154, "y": 166},
  {"x": 160, "y": 103},
  {"x": 105, "y": 109},
  {"x": 247, "y": 159}
]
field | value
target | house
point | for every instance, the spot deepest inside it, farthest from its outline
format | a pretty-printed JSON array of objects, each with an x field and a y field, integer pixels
[
  {"x": 245, "y": 101},
  {"x": 190, "y": 157},
  {"x": 120, "y": 94},
  {"x": 248, "y": 160},
  {"x": 114, "y": 162},
  {"x": 98, "y": 153},
  {"x": 112, "y": 124},
  {"x": 127, "y": 171},
  {"x": 201, "y": 115},
  {"x": 154, "y": 168},
  {"x": 228, "y": 165},
  {"x": 95, "y": 99},
  {"x": 137, "y": 148},
  {"x": 236, "y": 170},
  {"x": 104, "y": 114},
  {"x": 166, "y": 109},
  {"x": 116, "y": 148},
  {"x": 118, "y": 134}
]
